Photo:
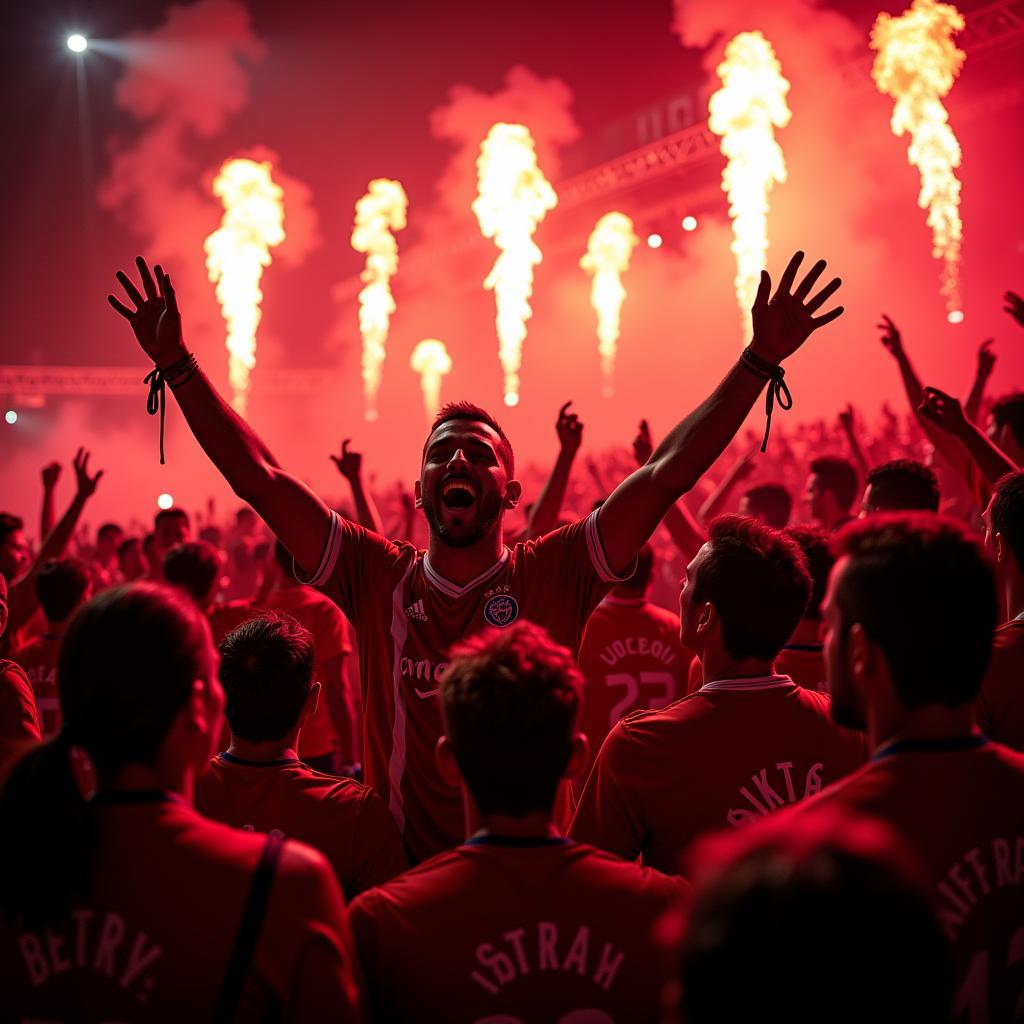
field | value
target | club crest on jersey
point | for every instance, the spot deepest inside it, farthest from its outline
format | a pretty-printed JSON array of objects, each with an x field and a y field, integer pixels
[{"x": 501, "y": 610}]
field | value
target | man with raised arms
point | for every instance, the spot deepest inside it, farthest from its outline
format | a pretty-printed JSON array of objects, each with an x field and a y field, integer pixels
[{"x": 409, "y": 606}]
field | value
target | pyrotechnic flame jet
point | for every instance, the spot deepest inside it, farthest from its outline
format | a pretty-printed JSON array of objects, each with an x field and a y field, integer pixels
[
  {"x": 236, "y": 254},
  {"x": 745, "y": 112},
  {"x": 431, "y": 361},
  {"x": 513, "y": 197},
  {"x": 379, "y": 213},
  {"x": 916, "y": 64},
  {"x": 611, "y": 244}
]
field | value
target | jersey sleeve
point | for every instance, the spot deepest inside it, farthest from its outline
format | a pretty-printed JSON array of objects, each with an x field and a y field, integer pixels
[
  {"x": 19, "y": 720},
  {"x": 573, "y": 559},
  {"x": 378, "y": 853},
  {"x": 355, "y": 565},
  {"x": 609, "y": 815}
]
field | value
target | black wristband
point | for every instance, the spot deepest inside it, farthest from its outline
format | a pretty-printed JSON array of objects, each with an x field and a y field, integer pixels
[
  {"x": 777, "y": 389},
  {"x": 176, "y": 374}
]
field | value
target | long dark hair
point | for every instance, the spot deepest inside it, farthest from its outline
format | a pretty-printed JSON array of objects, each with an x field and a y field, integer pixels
[{"x": 127, "y": 665}]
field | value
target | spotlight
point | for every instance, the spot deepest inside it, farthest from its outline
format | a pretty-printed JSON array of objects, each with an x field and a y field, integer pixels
[
  {"x": 164, "y": 501},
  {"x": 955, "y": 316},
  {"x": 654, "y": 240},
  {"x": 77, "y": 43},
  {"x": 689, "y": 223},
  {"x": 511, "y": 398},
  {"x": 11, "y": 416}
]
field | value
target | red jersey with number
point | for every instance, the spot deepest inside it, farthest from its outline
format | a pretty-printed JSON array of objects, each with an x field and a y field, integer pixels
[
  {"x": 731, "y": 753},
  {"x": 631, "y": 658},
  {"x": 154, "y": 935},
  {"x": 39, "y": 660},
  {"x": 322, "y": 617},
  {"x": 347, "y": 822},
  {"x": 516, "y": 931},
  {"x": 407, "y": 617},
  {"x": 960, "y": 807},
  {"x": 1000, "y": 704}
]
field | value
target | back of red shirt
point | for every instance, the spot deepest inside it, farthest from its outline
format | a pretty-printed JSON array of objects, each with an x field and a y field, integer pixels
[
  {"x": 804, "y": 664},
  {"x": 729, "y": 754},
  {"x": 347, "y": 822},
  {"x": 39, "y": 660},
  {"x": 961, "y": 810},
  {"x": 631, "y": 658},
  {"x": 154, "y": 935},
  {"x": 1000, "y": 704},
  {"x": 533, "y": 930}
]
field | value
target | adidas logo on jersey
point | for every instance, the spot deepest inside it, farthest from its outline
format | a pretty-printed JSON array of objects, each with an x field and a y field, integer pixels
[{"x": 416, "y": 611}]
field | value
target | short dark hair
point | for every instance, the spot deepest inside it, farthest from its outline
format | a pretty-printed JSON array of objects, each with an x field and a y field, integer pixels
[
  {"x": 194, "y": 566},
  {"x": 470, "y": 411},
  {"x": 9, "y": 524},
  {"x": 510, "y": 699},
  {"x": 816, "y": 546},
  {"x": 1009, "y": 412},
  {"x": 266, "y": 669},
  {"x": 903, "y": 485},
  {"x": 837, "y": 475},
  {"x": 640, "y": 579},
  {"x": 772, "y": 502},
  {"x": 60, "y": 585},
  {"x": 107, "y": 529},
  {"x": 924, "y": 590},
  {"x": 171, "y": 513},
  {"x": 128, "y": 542},
  {"x": 148, "y": 541},
  {"x": 758, "y": 581},
  {"x": 1006, "y": 513}
]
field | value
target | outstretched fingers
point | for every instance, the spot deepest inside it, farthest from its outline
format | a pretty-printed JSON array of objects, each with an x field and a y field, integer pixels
[
  {"x": 816, "y": 302},
  {"x": 809, "y": 281},
  {"x": 121, "y": 307},
  {"x": 147, "y": 278},
  {"x": 130, "y": 289},
  {"x": 827, "y": 318},
  {"x": 789, "y": 275},
  {"x": 764, "y": 289}
]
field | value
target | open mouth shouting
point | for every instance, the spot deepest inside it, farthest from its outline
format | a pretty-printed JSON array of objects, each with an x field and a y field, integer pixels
[{"x": 459, "y": 493}]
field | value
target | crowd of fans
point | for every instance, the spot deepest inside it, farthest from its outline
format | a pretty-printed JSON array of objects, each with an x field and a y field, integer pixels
[{"x": 698, "y": 732}]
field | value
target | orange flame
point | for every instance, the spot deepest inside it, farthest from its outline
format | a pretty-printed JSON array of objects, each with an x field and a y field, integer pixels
[
  {"x": 512, "y": 199},
  {"x": 236, "y": 254},
  {"x": 431, "y": 361},
  {"x": 916, "y": 64},
  {"x": 745, "y": 112},
  {"x": 379, "y": 213},
  {"x": 611, "y": 244}
]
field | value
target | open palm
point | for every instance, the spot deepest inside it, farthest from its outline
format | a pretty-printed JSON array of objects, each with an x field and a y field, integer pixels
[{"x": 155, "y": 318}]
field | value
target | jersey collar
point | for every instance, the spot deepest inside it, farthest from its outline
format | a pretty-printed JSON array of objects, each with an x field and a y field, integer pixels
[
  {"x": 278, "y": 763},
  {"x": 450, "y": 589},
  {"x": 749, "y": 684}
]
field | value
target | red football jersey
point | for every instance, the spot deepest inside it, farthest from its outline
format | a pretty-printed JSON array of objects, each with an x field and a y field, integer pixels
[
  {"x": 347, "y": 822},
  {"x": 631, "y": 658},
  {"x": 960, "y": 806},
  {"x": 19, "y": 720},
  {"x": 1000, "y": 704},
  {"x": 39, "y": 660},
  {"x": 515, "y": 930},
  {"x": 407, "y": 617},
  {"x": 731, "y": 753},
  {"x": 155, "y": 934},
  {"x": 227, "y": 617},
  {"x": 804, "y": 664},
  {"x": 322, "y": 617}
]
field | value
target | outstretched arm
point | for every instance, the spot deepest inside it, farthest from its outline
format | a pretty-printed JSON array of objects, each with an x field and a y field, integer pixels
[
  {"x": 715, "y": 503},
  {"x": 350, "y": 466},
  {"x": 548, "y": 505},
  {"x": 848, "y": 422},
  {"x": 781, "y": 325},
  {"x": 51, "y": 474},
  {"x": 986, "y": 363},
  {"x": 294, "y": 513},
  {"x": 946, "y": 414}
]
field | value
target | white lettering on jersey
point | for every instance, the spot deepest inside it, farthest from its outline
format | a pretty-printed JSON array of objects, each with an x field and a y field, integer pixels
[
  {"x": 764, "y": 796},
  {"x": 499, "y": 963},
  {"x": 975, "y": 875}
]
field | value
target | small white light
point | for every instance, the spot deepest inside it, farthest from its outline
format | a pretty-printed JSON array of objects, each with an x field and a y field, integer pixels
[
  {"x": 955, "y": 316},
  {"x": 689, "y": 223},
  {"x": 654, "y": 240},
  {"x": 11, "y": 416},
  {"x": 77, "y": 43},
  {"x": 511, "y": 398},
  {"x": 164, "y": 501}
]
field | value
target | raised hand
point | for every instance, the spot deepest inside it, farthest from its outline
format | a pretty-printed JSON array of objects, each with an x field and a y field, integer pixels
[
  {"x": 986, "y": 358},
  {"x": 943, "y": 410},
  {"x": 847, "y": 419},
  {"x": 892, "y": 340},
  {"x": 569, "y": 429},
  {"x": 85, "y": 484},
  {"x": 1014, "y": 306},
  {"x": 643, "y": 446},
  {"x": 155, "y": 318},
  {"x": 349, "y": 463},
  {"x": 51, "y": 474},
  {"x": 784, "y": 321}
]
